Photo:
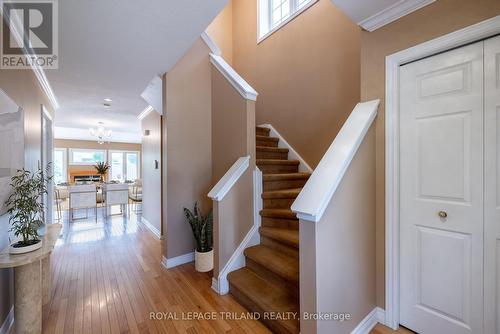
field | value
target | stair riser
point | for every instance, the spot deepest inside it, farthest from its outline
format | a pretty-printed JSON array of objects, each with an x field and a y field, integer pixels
[
  {"x": 267, "y": 143},
  {"x": 242, "y": 298},
  {"x": 284, "y": 184},
  {"x": 278, "y": 203},
  {"x": 292, "y": 224},
  {"x": 277, "y": 169},
  {"x": 271, "y": 277},
  {"x": 262, "y": 132},
  {"x": 283, "y": 248},
  {"x": 272, "y": 155}
]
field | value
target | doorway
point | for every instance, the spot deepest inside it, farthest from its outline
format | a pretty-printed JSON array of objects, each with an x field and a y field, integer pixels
[
  {"x": 448, "y": 208},
  {"x": 472, "y": 34}
]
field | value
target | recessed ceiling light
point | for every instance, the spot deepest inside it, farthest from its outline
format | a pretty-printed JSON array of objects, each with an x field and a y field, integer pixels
[{"x": 108, "y": 100}]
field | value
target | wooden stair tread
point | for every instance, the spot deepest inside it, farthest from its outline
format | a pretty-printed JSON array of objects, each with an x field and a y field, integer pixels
[
  {"x": 271, "y": 149},
  {"x": 285, "y": 176},
  {"x": 267, "y": 138},
  {"x": 262, "y": 131},
  {"x": 278, "y": 213},
  {"x": 266, "y": 296},
  {"x": 283, "y": 265},
  {"x": 283, "y": 236},
  {"x": 277, "y": 162},
  {"x": 284, "y": 193}
]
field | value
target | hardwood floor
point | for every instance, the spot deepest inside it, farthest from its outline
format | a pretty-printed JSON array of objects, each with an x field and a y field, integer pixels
[
  {"x": 380, "y": 329},
  {"x": 107, "y": 278}
]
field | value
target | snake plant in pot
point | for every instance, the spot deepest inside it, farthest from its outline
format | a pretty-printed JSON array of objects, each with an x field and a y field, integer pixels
[
  {"x": 26, "y": 209},
  {"x": 202, "y": 227}
]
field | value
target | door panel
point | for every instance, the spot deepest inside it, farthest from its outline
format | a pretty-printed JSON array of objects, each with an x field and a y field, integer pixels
[
  {"x": 441, "y": 170},
  {"x": 443, "y": 159},
  {"x": 435, "y": 249},
  {"x": 492, "y": 184}
]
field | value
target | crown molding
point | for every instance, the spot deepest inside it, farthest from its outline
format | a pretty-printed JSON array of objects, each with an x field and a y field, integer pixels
[{"x": 392, "y": 13}]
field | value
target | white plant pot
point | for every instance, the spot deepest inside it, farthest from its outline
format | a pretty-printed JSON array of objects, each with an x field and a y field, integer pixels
[
  {"x": 27, "y": 249},
  {"x": 204, "y": 262}
]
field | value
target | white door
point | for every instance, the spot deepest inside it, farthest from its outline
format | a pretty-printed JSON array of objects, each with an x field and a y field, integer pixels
[
  {"x": 492, "y": 185},
  {"x": 441, "y": 201}
]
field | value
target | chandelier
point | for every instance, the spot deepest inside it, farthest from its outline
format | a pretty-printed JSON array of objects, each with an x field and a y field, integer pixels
[{"x": 101, "y": 133}]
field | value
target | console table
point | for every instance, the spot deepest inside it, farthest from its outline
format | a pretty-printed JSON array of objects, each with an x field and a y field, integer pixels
[{"x": 31, "y": 281}]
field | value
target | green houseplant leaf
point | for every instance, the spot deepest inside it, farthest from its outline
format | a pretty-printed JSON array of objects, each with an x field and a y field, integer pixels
[
  {"x": 24, "y": 205},
  {"x": 202, "y": 227}
]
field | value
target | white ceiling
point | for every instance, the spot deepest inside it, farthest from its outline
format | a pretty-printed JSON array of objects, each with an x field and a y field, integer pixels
[
  {"x": 373, "y": 14},
  {"x": 112, "y": 49}
]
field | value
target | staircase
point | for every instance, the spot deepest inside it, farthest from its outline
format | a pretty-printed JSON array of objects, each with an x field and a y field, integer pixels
[{"x": 270, "y": 280}]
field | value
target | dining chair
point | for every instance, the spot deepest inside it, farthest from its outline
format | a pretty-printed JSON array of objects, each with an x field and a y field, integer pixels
[
  {"x": 115, "y": 194},
  {"x": 82, "y": 196}
]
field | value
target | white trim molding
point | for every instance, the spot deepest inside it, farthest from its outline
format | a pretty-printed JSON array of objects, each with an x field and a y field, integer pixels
[
  {"x": 370, "y": 321},
  {"x": 214, "y": 48},
  {"x": 257, "y": 195},
  {"x": 324, "y": 181},
  {"x": 393, "y": 62},
  {"x": 227, "y": 71},
  {"x": 177, "y": 261},
  {"x": 234, "y": 78},
  {"x": 8, "y": 322},
  {"x": 236, "y": 261},
  {"x": 220, "y": 284},
  {"x": 229, "y": 179},
  {"x": 153, "y": 95},
  {"x": 151, "y": 227},
  {"x": 393, "y": 13},
  {"x": 145, "y": 112},
  {"x": 292, "y": 154}
]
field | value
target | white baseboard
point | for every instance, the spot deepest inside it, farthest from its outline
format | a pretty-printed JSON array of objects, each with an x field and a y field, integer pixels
[
  {"x": 177, "y": 261},
  {"x": 9, "y": 321},
  {"x": 292, "y": 154},
  {"x": 381, "y": 315},
  {"x": 237, "y": 261},
  {"x": 151, "y": 227},
  {"x": 377, "y": 315}
]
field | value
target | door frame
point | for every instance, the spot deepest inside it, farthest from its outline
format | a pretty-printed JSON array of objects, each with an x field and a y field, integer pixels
[
  {"x": 393, "y": 62},
  {"x": 48, "y": 137}
]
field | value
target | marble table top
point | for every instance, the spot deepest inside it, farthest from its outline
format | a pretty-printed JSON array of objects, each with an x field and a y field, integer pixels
[{"x": 49, "y": 240}]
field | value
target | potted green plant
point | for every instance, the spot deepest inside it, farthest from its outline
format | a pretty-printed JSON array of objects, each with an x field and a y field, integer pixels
[
  {"x": 25, "y": 207},
  {"x": 202, "y": 227},
  {"x": 102, "y": 169}
]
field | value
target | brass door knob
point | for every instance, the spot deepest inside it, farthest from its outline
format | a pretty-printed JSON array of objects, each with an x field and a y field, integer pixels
[{"x": 442, "y": 214}]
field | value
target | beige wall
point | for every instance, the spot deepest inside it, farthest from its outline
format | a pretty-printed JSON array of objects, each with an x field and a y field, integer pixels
[
  {"x": 233, "y": 126},
  {"x": 221, "y": 31},
  {"x": 338, "y": 275},
  {"x": 151, "y": 176},
  {"x": 187, "y": 145},
  {"x": 24, "y": 89},
  {"x": 235, "y": 214},
  {"x": 437, "y": 19},
  {"x": 307, "y": 73},
  {"x": 233, "y": 137},
  {"x": 89, "y": 144}
]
